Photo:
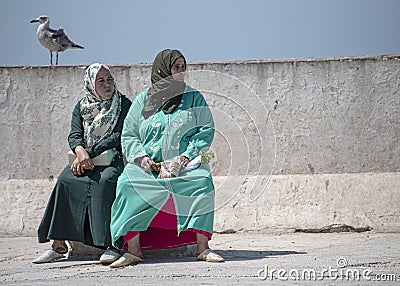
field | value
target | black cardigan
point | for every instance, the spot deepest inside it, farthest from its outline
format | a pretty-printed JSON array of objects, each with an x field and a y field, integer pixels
[{"x": 75, "y": 137}]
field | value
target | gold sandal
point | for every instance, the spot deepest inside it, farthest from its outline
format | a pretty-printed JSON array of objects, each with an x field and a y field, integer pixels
[
  {"x": 210, "y": 256},
  {"x": 125, "y": 260}
]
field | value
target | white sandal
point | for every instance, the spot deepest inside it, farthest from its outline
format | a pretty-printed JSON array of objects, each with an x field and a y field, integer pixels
[
  {"x": 109, "y": 256},
  {"x": 49, "y": 256}
]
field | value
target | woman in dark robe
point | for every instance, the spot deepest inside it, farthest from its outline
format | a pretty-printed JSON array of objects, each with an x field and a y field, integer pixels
[{"x": 79, "y": 208}]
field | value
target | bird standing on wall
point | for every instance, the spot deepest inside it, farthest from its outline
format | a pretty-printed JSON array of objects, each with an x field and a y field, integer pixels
[{"x": 54, "y": 40}]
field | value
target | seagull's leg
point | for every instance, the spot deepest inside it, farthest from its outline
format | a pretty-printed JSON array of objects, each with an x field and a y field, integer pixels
[
  {"x": 56, "y": 58},
  {"x": 51, "y": 57}
]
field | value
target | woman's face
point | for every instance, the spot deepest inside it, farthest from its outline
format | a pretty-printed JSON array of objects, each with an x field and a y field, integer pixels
[
  {"x": 178, "y": 70},
  {"x": 104, "y": 84}
]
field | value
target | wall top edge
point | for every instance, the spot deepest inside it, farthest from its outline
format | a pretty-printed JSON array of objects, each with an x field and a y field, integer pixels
[{"x": 287, "y": 60}]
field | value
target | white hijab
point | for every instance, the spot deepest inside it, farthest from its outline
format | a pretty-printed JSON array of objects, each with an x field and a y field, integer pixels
[{"x": 99, "y": 115}]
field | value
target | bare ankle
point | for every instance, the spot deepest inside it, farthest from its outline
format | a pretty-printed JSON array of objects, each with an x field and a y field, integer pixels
[
  {"x": 59, "y": 246},
  {"x": 134, "y": 246},
  {"x": 135, "y": 251}
]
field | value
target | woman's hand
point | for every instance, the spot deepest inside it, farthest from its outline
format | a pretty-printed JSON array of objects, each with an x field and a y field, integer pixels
[
  {"x": 76, "y": 168},
  {"x": 184, "y": 161},
  {"x": 82, "y": 162},
  {"x": 171, "y": 168},
  {"x": 164, "y": 173},
  {"x": 147, "y": 164}
]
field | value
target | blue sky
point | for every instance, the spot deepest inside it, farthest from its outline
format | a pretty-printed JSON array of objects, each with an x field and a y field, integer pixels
[{"x": 131, "y": 31}]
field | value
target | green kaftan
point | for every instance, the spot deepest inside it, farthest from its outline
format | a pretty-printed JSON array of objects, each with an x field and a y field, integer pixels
[
  {"x": 79, "y": 207},
  {"x": 188, "y": 130}
]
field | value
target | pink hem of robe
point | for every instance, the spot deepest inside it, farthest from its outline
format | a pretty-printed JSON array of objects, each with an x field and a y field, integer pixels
[{"x": 162, "y": 231}]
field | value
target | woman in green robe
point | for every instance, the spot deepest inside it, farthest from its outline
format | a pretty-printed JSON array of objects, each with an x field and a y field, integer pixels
[
  {"x": 79, "y": 208},
  {"x": 170, "y": 122}
]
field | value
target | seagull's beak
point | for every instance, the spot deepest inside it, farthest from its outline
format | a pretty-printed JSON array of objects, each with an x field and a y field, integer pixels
[{"x": 35, "y": 20}]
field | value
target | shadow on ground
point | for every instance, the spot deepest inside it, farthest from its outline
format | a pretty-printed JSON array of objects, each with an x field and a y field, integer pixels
[
  {"x": 228, "y": 255},
  {"x": 238, "y": 255}
]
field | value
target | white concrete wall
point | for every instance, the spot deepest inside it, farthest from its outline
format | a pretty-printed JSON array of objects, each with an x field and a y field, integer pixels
[{"x": 300, "y": 143}]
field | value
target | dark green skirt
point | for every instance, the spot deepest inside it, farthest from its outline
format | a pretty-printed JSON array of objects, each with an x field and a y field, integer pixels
[{"x": 79, "y": 208}]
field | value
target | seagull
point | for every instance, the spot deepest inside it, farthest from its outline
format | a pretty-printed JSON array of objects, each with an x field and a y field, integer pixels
[{"x": 53, "y": 40}]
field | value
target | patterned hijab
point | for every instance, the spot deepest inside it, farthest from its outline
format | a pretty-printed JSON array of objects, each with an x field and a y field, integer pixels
[
  {"x": 99, "y": 115},
  {"x": 165, "y": 92}
]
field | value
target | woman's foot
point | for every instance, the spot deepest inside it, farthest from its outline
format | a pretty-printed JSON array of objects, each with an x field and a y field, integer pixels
[
  {"x": 49, "y": 256},
  {"x": 133, "y": 256},
  {"x": 110, "y": 255},
  {"x": 59, "y": 246},
  {"x": 204, "y": 252},
  {"x": 202, "y": 243},
  {"x": 125, "y": 260},
  {"x": 210, "y": 256},
  {"x": 134, "y": 246},
  {"x": 58, "y": 250}
]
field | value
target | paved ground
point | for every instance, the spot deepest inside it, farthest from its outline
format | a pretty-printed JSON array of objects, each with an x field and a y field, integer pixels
[{"x": 251, "y": 259}]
